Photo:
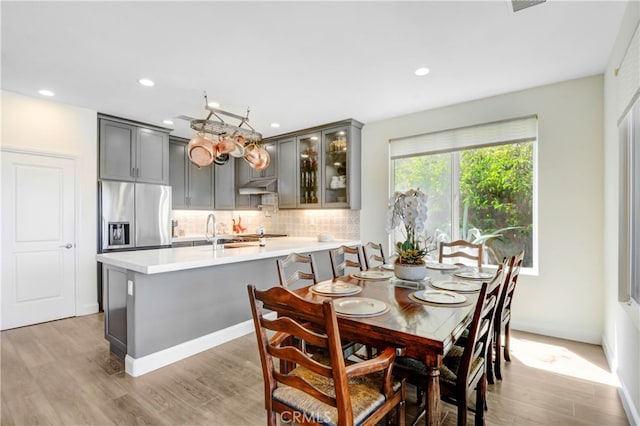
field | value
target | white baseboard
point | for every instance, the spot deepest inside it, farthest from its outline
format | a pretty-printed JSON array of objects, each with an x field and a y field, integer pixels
[
  {"x": 139, "y": 366},
  {"x": 563, "y": 333},
  {"x": 89, "y": 309},
  {"x": 627, "y": 401}
]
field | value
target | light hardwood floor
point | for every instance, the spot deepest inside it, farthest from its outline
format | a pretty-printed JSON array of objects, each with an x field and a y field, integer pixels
[{"x": 61, "y": 373}]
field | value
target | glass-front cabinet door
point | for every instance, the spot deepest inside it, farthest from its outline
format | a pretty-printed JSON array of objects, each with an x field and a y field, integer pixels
[
  {"x": 336, "y": 151},
  {"x": 309, "y": 170}
]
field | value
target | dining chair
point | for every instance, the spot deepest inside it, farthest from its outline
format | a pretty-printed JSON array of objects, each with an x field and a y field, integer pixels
[
  {"x": 345, "y": 257},
  {"x": 373, "y": 255},
  {"x": 299, "y": 276},
  {"x": 503, "y": 314},
  {"x": 319, "y": 391},
  {"x": 463, "y": 367},
  {"x": 461, "y": 248},
  {"x": 299, "y": 261}
]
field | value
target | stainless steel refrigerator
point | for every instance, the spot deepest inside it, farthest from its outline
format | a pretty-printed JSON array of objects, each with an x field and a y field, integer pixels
[{"x": 134, "y": 216}]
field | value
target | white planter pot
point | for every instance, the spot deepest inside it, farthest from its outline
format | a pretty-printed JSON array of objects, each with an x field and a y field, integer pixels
[{"x": 405, "y": 271}]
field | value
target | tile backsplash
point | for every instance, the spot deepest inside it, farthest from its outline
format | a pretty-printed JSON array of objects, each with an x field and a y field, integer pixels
[{"x": 341, "y": 223}]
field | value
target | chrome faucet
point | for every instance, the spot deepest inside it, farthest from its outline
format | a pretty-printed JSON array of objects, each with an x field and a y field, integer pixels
[{"x": 213, "y": 235}]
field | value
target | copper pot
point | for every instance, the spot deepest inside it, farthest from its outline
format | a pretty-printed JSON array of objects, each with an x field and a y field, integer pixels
[
  {"x": 226, "y": 145},
  {"x": 257, "y": 157},
  {"x": 201, "y": 150}
]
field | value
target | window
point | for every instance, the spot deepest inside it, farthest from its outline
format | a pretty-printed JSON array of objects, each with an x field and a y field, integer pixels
[
  {"x": 480, "y": 184},
  {"x": 629, "y": 235}
]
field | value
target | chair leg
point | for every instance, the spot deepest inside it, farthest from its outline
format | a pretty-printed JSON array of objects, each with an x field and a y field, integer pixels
[
  {"x": 462, "y": 412},
  {"x": 271, "y": 419},
  {"x": 497, "y": 363},
  {"x": 401, "y": 414},
  {"x": 507, "y": 340},
  {"x": 490, "y": 362},
  {"x": 481, "y": 401}
]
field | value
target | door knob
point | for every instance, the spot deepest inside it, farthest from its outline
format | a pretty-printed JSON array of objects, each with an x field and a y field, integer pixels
[{"x": 67, "y": 246}]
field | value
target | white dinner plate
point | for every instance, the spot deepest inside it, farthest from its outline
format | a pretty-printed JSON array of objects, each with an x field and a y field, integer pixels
[
  {"x": 359, "y": 306},
  {"x": 439, "y": 296},
  {"x": 373, "y": 275},
  {"x": 473, "y": 275},
  {"x": 458, "y": 285},
  {"x": 388, "y": 266},
  {"x": 336, "y": 288},
  {"x": 442, "y": 266}
]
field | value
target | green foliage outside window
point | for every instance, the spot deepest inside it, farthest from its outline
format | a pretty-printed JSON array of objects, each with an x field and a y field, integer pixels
[
  {"x": 496, "y": 192},
  {"x": 495, "y": 195}
]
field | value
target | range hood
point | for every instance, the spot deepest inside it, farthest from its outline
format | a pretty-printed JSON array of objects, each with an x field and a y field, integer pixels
[{"x": 258, "y": 186}]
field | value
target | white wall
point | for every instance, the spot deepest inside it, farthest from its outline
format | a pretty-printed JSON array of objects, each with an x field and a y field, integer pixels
[
  {"x": 45, "y": 126},
  {"x": 565, "y": 299},
  {"x": 621, "y": 338}
]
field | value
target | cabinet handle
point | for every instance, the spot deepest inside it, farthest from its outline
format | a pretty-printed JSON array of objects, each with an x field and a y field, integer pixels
[
  {"x": 137, "y": 172},
  {"x": 133, "y": 172}
]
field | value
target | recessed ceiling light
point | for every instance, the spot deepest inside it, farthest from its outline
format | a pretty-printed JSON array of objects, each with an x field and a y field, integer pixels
[
  {"x": 275, "y": 125},
  {"x": 214, "y": 104},
  {"x": 46, "y": 92},
  {"x": 146, "y": 82},
  {"x": 422, "y": 71},
  {"x": 167, "y": 121}
]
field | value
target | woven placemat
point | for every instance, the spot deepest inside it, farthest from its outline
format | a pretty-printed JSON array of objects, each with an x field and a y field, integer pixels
[{"x": 441, "y": 305}]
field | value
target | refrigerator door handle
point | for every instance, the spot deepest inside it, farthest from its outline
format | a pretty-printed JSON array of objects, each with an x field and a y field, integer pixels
[{"x": 105, "y": 232}]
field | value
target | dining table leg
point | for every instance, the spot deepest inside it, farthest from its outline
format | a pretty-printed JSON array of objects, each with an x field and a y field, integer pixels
[{"x": 433, "y": 396}]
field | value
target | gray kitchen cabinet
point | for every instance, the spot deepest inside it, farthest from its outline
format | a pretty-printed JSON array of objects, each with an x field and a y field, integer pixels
[
  {"x": 178, "y": 174},
  {"x": 320, "y": 167},
  {"x": 243, "y": 175},
  {"x": 224, "y": 184},
  {"x": 341, "y": 153},
  {"x": 192, "y": 187},
  {"x": 287, "y": 173},
  {"x": 115, "y": 314},
  {"x": 131, "y": 152}
]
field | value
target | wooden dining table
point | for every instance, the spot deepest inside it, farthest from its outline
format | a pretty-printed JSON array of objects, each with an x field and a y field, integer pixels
[{"x": 424, "y": 331}]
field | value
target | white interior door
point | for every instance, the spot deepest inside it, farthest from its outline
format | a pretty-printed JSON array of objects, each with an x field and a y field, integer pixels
[{"x": 38, "y": 238}]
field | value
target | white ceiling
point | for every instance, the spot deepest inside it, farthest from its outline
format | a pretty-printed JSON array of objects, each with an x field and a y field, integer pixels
[{"x": 297, "y": 63}]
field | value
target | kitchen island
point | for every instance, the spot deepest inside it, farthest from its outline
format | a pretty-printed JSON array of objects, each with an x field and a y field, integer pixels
[{"x": 167, "y": 304}]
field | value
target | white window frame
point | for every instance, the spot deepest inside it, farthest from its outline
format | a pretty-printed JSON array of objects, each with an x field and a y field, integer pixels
[{"x": 503, "y": 132}]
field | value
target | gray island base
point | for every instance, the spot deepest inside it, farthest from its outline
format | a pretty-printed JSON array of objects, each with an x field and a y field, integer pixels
[{"x": 164, "y": 305}]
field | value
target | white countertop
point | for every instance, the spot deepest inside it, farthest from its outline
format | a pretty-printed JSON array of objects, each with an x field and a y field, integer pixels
[{"x": 177, "y": 259}]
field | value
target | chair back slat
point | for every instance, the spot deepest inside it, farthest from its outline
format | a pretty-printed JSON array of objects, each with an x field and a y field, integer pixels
[
  {"x": 504, "y": 304},
  {"x": 373, "y": 255},
  {"x": 300, "y": 261},
  {"x": 460, "y": 248},
  {"x": 289, "y": 326},
  {"x": 345, "y": 257},
  {"x": 481, "y": 328}
]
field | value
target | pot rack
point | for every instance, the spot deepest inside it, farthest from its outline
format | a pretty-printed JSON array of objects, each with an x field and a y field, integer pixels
[{"x": 214, "y": 124}]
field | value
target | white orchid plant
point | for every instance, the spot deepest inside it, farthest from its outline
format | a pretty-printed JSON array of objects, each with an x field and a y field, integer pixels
[{"x": 408, "y": 210}]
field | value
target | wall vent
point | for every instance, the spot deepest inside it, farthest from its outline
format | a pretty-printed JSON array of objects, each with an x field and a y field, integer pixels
[{"x": 523, "y": 4}]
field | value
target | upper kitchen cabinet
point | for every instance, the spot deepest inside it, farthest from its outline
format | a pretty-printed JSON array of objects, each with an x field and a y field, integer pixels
[
  {"x": 320, "y": 167},
  {"x": 309, "y": 172},
  {"x": 224, "y": 184},
  {"x": 133, "y": 152},
  {"x": 341, "y": 149},
  {"x": 287, "y": 173},
  {"x": 192, "y": 187}
]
